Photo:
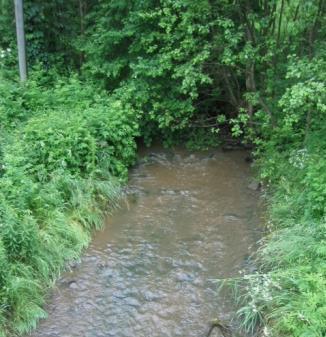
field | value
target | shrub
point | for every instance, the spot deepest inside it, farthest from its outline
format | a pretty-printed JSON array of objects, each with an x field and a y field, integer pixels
[
  {"x": 287, "y": 296},
  {"x": 61, "y": 167},
  {"x": 76, "y": 141}
]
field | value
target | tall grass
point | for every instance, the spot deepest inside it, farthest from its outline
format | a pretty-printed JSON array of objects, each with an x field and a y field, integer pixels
[
  {"x": 287, "y": 296},
  {"x": 63, "y": 159}
]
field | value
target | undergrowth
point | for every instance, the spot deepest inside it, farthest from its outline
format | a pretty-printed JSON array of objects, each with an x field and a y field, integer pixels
[
  {"x": 287, "y": 296},
  {"x": 66, "y": 147},
  {"x": 182, "y": 71}
]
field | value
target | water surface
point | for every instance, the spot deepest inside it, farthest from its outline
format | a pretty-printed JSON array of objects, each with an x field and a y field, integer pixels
[{"x": 188, "y": 218}]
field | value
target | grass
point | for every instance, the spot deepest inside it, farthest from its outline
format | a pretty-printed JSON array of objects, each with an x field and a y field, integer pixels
[
  {"x": 286, "y": 297},
  {"x": 63, "y": 160},
  {"x": 35, "y": 247}
]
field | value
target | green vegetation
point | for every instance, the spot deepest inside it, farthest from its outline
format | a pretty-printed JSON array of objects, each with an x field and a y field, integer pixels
[
  {"x": 287, "y": 297},
  {"x": 103, "y": 74},
  {"x": 61, "y": 147}
]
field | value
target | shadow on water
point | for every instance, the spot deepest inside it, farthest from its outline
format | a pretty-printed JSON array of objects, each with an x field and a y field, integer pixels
[{"x": 187, "y": 218}]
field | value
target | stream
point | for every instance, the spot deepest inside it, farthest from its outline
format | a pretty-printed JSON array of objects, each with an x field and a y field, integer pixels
[{"x": 187, "y": 218}]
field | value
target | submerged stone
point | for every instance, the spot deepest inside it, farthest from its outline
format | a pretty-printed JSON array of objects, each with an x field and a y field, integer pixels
[
  {"x": 73, "y": 285},
  {"x": 254, "y": 185}
]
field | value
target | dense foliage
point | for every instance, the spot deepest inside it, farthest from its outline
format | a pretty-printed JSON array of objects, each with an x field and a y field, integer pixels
[
  {"x": 61, "y": 146},
  {"x": 287, "y": 297},
  {"x": 103, "y": 73}
]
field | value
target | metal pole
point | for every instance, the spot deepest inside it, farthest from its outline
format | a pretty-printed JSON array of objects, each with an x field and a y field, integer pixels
[{"x": 21, "y": 39}]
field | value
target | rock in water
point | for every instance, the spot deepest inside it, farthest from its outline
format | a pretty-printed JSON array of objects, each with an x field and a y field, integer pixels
[
  {"x": 254, "y": 185},
  {"x": 73, "y": 285}
]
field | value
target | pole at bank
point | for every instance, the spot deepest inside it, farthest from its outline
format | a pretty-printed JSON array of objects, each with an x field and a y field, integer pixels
[{"x": 21, "y": 39}]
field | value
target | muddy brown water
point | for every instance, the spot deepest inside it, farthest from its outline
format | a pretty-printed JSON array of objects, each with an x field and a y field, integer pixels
[{"x": 188, "y": 218}]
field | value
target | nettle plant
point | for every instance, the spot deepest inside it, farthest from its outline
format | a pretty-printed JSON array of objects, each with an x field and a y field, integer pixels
[{"x": 74, "y": 128}]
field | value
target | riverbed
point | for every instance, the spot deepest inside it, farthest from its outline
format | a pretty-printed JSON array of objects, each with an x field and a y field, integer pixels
[{"x": 187, "y": 218}]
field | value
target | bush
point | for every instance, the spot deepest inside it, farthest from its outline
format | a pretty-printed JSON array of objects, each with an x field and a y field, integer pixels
[
  {"x": 76, "y": 140},
  {"x": 11, "y": 104},
  {"x": 287, "y": 296},
  {"x": 61, "y": 167}
]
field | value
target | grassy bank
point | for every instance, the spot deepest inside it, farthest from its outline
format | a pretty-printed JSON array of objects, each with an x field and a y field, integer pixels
[
  {"x": 293, "y": 255},
  {"x": 65, "y": 149},
  {"x": 182, "y": 71},
  {"x": 66, "y": 146},
  {"x": 287, "y": 296}
]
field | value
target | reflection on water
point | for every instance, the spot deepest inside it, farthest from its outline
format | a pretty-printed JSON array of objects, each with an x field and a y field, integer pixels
[{"x": 187, "y": 218}]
